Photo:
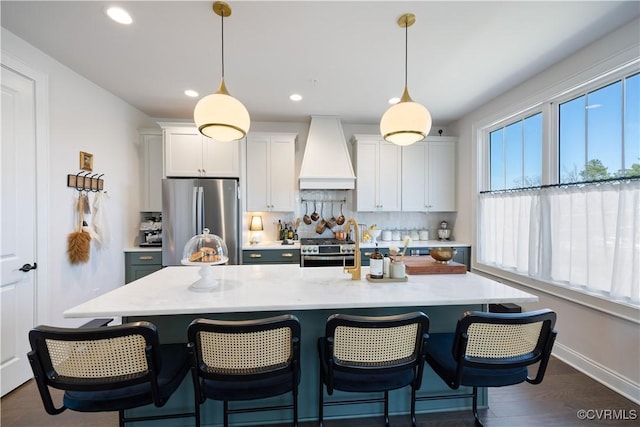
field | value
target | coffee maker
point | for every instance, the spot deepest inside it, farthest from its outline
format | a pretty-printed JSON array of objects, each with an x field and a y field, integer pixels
[{"x": 151, "y": 231}]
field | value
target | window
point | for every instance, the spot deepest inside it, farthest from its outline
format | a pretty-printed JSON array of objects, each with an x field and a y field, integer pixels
[
  {"x": 599, "y": 137},
  {"x": 516, "y": 154},
  {"x": 581, "y": 229}
]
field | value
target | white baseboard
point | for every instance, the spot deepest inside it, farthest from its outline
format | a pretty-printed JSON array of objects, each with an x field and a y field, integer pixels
[{"x": 598, "y": 372}]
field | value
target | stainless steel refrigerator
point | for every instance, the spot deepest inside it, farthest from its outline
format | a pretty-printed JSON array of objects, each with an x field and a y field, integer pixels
[{"x": 191, "y": 204}]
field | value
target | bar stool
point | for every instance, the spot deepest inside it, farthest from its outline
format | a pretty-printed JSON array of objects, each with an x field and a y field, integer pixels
[
  {"x": 492, "y": 350},
  {"x": 245, "y": 360},
  {"x": 110, "y": 368},
  {"x": 372, "y": 354}
]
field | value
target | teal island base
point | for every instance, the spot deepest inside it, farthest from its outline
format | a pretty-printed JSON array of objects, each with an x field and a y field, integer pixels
[{"x": 172, "y": 328}]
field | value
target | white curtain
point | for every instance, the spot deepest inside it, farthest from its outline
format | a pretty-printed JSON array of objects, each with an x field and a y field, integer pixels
[{"x": 584, "y": 236}]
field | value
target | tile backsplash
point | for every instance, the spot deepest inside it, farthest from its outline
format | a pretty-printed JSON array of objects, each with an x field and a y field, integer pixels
[{"x": 383, "y": 220}]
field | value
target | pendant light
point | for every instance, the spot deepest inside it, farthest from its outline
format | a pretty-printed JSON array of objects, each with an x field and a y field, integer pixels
[
  {"x": 220, "y": 116},
  {"x": 407, "y": 121}
]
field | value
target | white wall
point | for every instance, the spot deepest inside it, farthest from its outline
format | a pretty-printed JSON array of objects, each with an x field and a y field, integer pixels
[
  {"x": 83, "y": 117},
  {"x": 604, "y": 345}
]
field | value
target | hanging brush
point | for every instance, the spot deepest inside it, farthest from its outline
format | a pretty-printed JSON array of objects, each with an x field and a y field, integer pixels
[{"x": 79, "y": 241}]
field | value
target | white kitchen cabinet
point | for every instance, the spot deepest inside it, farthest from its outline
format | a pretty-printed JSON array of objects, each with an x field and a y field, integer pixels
[
  {"x": 151, "y": 170},
  {"x": 271, "y": 181},
  {"x": 378, "y": 178},
  {"x": 188, "y": 153},
  {"x": 429, "y": 175}
]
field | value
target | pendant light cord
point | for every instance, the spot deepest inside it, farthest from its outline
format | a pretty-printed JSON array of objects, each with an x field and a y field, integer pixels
[
  {"x": 222, "y": 41},
  {"x": 406, "y": 50}
]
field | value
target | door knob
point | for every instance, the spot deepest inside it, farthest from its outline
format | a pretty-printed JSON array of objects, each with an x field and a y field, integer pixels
[{"x": 28, "y": 267}]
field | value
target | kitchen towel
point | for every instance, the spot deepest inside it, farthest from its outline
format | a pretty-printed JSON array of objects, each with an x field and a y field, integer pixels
[{"x": 100, "y": 220}]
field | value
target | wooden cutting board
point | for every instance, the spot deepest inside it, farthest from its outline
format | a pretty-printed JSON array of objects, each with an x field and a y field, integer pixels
[{"x": 427, "y": 265}]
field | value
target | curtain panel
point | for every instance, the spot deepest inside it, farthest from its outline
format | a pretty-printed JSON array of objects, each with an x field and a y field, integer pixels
[{"x": 581, "y": 236}]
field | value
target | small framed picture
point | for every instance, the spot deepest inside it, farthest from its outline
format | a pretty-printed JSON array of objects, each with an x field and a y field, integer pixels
[{"x": 86, "y": 161}]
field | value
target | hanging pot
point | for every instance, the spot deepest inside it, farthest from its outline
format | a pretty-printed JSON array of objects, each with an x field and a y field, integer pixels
[
  {"x": 331, "y": 222},
  {"x": 322, "y": 224},
  {"x": 306, "y": 218},
  {"x": 341, "y": 218}
]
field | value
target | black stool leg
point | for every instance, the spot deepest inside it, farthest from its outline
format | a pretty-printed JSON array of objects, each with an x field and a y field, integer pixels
[
  {"x": 320, "y": 401},
  {"x": 197, "y": 412},
  {"x": 386, "y": 409},
  {"x": 225, "y": 410},
  {"x": 475, "y": 407},
  {"x": 295, "y": 408},
  {"x": 413, "y": 406}
]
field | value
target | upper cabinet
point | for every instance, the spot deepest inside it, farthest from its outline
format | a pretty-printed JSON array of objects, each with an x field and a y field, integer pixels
[
  {"x": 188, "y": 153},
  {"x": 378, "y": 172},
  {"x": 271, "y": 181},
  {"x": 151, "y": 170},
  {"x": 429, "y": 175}
]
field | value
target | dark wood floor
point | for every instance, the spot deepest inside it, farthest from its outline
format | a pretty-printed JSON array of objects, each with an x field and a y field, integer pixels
[{"x": 555, "y": 402}]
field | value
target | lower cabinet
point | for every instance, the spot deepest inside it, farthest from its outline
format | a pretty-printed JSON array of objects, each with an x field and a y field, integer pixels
[
  {"x": 462, "y": 256},
  {"x": 271, "y": 256},
  {"x": 139, "y": 264}
]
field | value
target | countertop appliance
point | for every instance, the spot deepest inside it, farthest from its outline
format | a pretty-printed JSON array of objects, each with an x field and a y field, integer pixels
[
  {"x": 150, "y": 232},
  {"x": 325, "y": 252},
  {"x": 191, "y": 204}
]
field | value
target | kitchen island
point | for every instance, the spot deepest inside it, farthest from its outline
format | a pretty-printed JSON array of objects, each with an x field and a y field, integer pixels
[{"x": 312, "y": 294}]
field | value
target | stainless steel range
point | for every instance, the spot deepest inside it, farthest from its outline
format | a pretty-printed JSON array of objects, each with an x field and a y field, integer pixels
[{"x": 324, "y": 252}]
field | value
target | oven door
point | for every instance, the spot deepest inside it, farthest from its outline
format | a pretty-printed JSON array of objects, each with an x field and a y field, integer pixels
[{"x": 327, "y": 261}]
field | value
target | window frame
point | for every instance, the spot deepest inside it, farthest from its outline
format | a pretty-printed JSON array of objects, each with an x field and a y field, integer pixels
[
  {"x": 520, "y": 117},
  {"x": 550, "y": 110},
  {"x": 592, "y": 85},
  {"x": 485, "y": 184},
  {"x": 548, "y": 104}
]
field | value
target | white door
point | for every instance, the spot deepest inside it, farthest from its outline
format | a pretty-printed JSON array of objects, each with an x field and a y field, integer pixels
[{"x": 18, "y": 222}]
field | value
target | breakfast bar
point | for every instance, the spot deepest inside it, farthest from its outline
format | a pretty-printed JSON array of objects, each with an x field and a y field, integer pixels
[{"x": 312, "y": 294}]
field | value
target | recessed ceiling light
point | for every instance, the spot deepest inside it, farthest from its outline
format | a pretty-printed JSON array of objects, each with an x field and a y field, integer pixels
[
  {"x": 191, "y": 93},
  {"x": 394, "y": 100},
  {"x": 295, "y": 97},
  {"x": 119, "y": 15}
]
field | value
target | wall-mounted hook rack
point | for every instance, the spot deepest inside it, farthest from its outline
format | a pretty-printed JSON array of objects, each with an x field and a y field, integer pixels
[
  {"x": 86, "y": 181},
  {"x": 324, "y": 200}
]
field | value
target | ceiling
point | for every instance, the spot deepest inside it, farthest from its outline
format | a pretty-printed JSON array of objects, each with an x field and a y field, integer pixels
[{"x": 344, "y": 58}]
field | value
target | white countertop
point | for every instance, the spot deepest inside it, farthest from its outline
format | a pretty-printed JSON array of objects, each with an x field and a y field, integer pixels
[{"x": 276, "y": 287}]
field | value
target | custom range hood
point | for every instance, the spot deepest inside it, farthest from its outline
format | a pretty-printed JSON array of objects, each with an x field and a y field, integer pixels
[{"x": 326, "y": 164}]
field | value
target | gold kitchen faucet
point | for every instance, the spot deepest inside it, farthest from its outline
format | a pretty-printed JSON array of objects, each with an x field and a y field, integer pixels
[{"x": 355, "y": 271}]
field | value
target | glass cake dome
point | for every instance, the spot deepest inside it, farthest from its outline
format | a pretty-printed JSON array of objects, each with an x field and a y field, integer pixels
[{"x": 205, "y": 248}]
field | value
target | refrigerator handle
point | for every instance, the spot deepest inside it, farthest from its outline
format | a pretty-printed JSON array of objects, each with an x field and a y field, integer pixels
[
  {"x": 200, "y": 211},
  {"x": 194, "y": 210}
]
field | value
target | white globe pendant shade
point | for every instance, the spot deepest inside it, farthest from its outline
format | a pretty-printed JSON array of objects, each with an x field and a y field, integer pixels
[
  {"x": 221, "y": 117},
  {"x": 405, "y": 123}
]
